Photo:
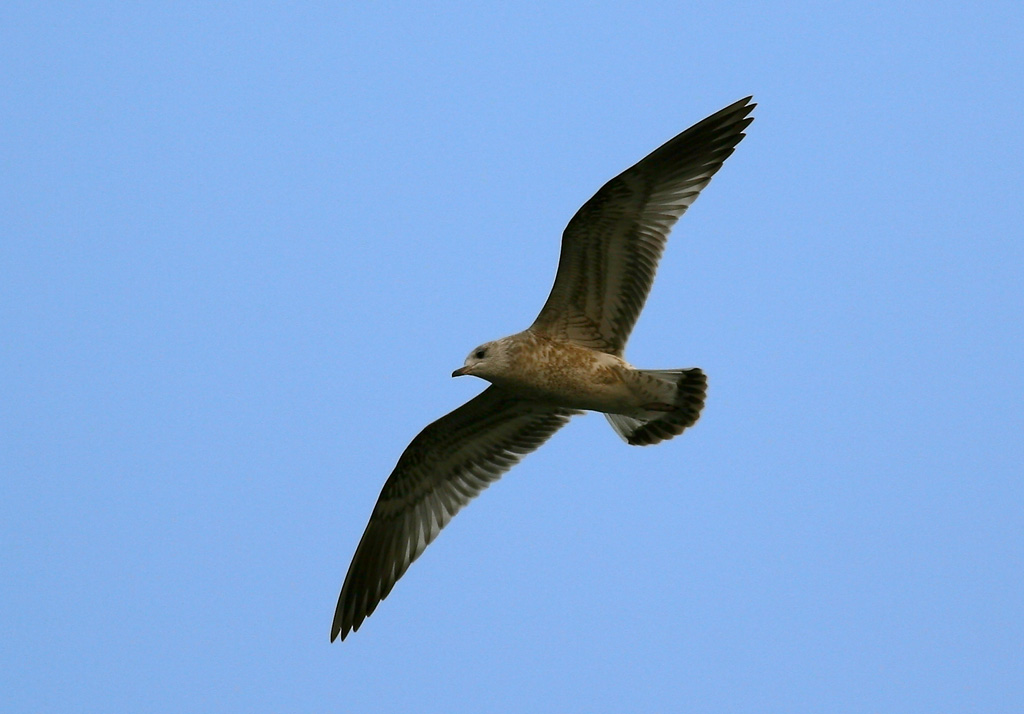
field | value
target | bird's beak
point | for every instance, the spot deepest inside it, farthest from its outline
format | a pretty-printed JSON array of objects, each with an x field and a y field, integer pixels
[{"x": 460, "y": 372}]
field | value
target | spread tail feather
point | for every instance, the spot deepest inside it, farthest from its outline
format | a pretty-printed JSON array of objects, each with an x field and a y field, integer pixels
[{"x": 691, "y": 387}]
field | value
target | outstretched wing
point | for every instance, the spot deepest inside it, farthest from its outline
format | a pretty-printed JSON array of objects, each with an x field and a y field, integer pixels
[
  {"x": 611, "y": 247},
  {"x": 443, "y": 469}
]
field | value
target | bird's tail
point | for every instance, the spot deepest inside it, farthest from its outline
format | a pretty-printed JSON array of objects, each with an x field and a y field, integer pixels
[{"x": 691, "y": 386}]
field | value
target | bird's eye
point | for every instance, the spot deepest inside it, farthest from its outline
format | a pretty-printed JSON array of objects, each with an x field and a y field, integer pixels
[{"x": 480, "y": 354}]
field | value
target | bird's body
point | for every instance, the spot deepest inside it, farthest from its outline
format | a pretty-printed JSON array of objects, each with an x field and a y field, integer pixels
[
  {"x": 564, "y": 374},
  {"x": 569, "y": 360}
]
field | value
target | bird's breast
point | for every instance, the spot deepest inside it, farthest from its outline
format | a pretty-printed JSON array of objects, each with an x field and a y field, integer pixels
[{"x": 569, "y": 375}]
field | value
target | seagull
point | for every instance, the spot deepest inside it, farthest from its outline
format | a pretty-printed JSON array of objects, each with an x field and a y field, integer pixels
[{"x": 568, "y": 361}]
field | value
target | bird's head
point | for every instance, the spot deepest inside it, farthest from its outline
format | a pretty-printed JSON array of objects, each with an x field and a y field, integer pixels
[{"x": 485, "y": 361}]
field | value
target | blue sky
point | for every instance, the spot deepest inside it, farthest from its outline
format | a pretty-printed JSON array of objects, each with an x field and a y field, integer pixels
[{"x": 242, "y": 248}]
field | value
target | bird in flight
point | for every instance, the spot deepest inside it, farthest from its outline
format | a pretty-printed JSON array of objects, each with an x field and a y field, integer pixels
[{"x": 569, "y": 360}]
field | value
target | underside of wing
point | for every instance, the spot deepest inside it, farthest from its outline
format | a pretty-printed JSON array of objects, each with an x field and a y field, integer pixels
[
  {"x": 611, "y": 247},
  {"x": 443, "y": 469}
]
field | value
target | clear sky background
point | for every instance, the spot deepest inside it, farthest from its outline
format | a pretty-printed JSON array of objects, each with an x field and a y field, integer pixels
[{"x": 242, "y": 248}]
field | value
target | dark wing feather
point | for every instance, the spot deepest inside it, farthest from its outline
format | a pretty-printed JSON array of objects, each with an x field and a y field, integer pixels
[
  {"x": 443, "y": 469},
  {"x": 611, "y": 247}
]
